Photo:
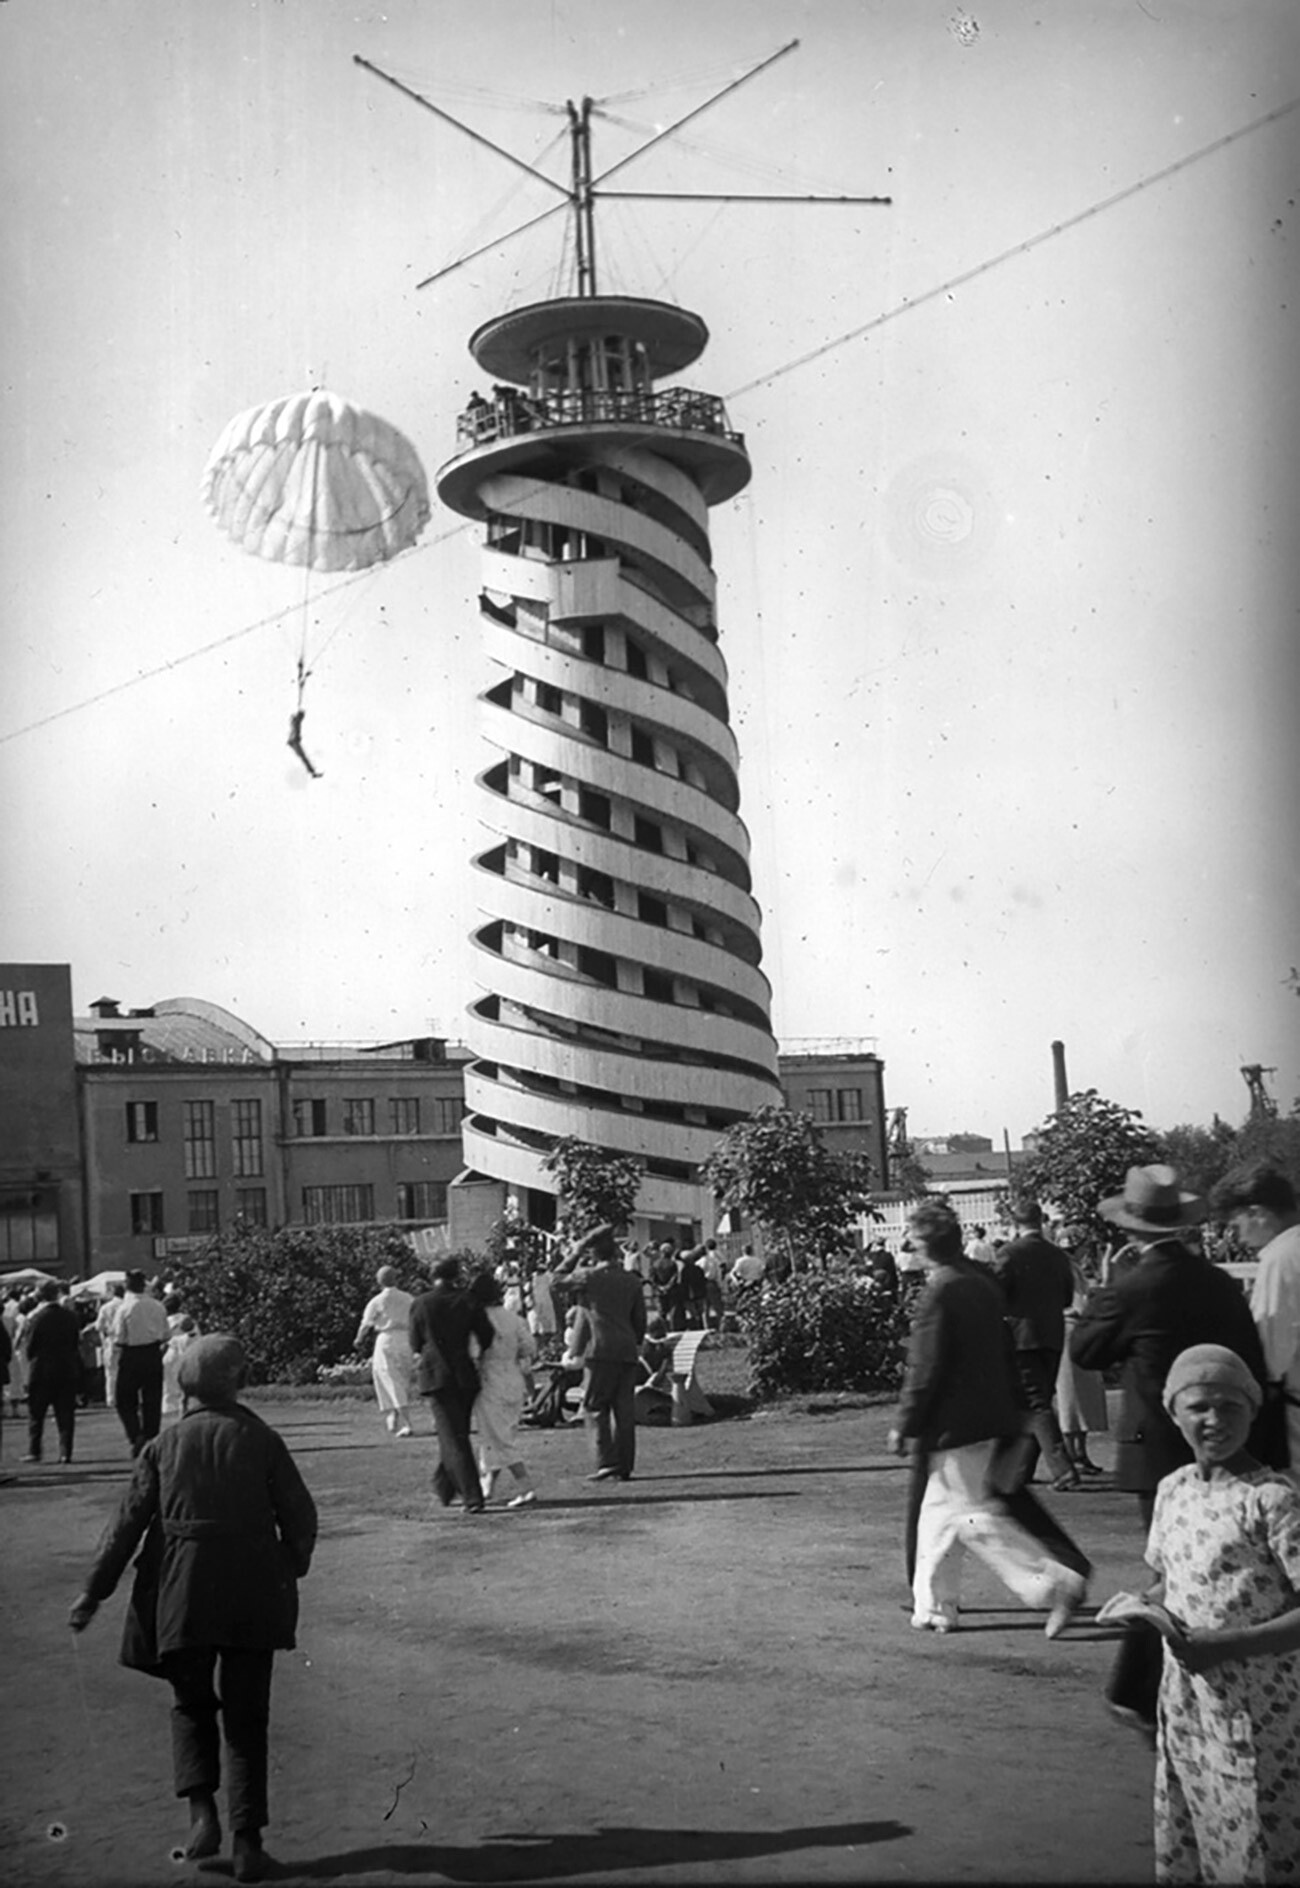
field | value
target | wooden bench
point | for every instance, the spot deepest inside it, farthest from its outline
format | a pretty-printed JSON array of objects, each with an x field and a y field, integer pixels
[{"x": 689, "y": 1400}]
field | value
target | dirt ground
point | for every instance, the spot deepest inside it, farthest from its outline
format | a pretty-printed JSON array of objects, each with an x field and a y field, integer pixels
[{"x": 704, "y": 1675}]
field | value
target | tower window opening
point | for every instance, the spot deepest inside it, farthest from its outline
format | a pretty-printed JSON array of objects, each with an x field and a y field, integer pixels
[
  {"x": 649, "y": 834},
  {"x": 593, "y": 642},
  {"x": 594, "y": 808},
  {"x": 546, "y": 781},
  {"x": 652, "y": 910},
  {"x": 599, "y": 966},
  {"x": 594, "y": 722},
  {"x": 643, "y": 748},
  {"x": 550, "y": 699},
  {"x": 598, "y": 886},
  {"x": 657, "y": 985},
  {"x": 636, "y": 662},
  {"x": 545, "y": 864}
]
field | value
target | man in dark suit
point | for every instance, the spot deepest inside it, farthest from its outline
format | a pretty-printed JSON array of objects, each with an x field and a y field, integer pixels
[
  {"x": 52, "y": 1342},
  {"x": 442, "y": 1322},
  {"x": 615, "y": 1304},
  {"x": 1171, "y": 1299},
  {"x": 1037, "y": 1283}
]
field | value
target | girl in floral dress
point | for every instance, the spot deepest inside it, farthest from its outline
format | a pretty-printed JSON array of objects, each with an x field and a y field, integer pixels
[{"x": 1225, "y": 1538}]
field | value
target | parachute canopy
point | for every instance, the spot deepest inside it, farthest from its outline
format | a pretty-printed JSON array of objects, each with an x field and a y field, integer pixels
[{"x": 315, "y": 481}]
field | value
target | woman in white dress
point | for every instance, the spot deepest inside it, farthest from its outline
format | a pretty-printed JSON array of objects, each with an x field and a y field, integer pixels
[
  {"x": 505, "y": 1384},
  {"x": 388, "y": 1315}
]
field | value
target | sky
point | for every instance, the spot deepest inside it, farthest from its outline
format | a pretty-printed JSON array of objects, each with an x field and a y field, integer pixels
[{"x": 1009, "y": 605}]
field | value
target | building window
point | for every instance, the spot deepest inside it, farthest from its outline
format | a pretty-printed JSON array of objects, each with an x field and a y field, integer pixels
[
  {"x": 199, "y": 1130},
  {"x": 359, "y": 1115},
  {"x": 250, "y": 1206},
  {"x": 29, "y": 1225},
  {"x": 147, "y": 1213},
  {"x": 203, "y": 1210},
  {"x": 446, "y": 1115},
  {"x": 422, "y": 1199},
  {"x": 142, "y": 1120},
  {"x": 337, "y": 1206},
  {"x": 404, "y": 1114},
  {"x": 850, "y": 1104},
  {"x": 308, "y": 1118},
  {"x": 246, "y": 1136},
  {"x": 820, "y": 1104}
]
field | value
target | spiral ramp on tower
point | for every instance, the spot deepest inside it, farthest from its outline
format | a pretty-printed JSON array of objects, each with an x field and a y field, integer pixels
[{"x": 619, "y": 949}]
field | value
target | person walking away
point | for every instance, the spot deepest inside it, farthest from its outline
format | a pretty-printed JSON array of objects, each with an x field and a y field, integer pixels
[
  {"x": 105, "y": 1329},
  {"x": 140, "y": 1336},
  {"x": 692, "y": 1289},
  {"x": 1080, "y": 1393},
  {"x": 228, "y": 1529},
  {"x": 1225, "y": 1542},
  {"x": 710, "y": 1263},
  {"x": 615, "y": 1307},
  {"x": 443, "y": 1320},
  {"x": 1170, "y": 1299},
  {"x": 1037, "y": 1283},
  {"x": 1259, "y": 1203},
  {"x": 392, "y": 1365},
  {"x": 958, "y": 1403},
  {"x": 505, "y": 1385},
  {"x": 664, "y": 1276},
  {"x": 52, "y": 1342}
]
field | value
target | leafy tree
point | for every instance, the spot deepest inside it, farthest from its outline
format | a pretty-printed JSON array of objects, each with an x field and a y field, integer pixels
[
  {"x": 1275, "y": 1139},
  {"x": 1201, "y": 1155},
  {"x": 293, "y": 1297},
  {"x": 1084, "y": 1152},
  {"x": 775, "y": 1168},
  {"x": 595, "y": 1187}
]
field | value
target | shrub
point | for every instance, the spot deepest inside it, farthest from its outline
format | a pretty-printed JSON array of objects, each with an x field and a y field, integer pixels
[
  {"x": 825, "y": 1331},
  {"x": 293, "y": 1298}
]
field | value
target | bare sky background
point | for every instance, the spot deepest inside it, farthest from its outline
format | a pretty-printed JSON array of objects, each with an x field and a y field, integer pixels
[{"x": 1010, "y": 605}]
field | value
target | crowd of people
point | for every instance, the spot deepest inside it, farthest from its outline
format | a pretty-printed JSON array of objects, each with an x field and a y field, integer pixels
[
  {"x": 62, "y": 1350},
  {"x": 1006, "y": 1350},
  {"x": 1209, "y": 1668}
]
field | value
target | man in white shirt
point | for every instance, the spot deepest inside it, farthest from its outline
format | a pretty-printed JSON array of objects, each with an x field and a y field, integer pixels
[
  {"x": 140, "y": 1337},
  {"x": 1259, "y": 1203},
  {"x": 105, "y": 1329},
  {"x": 748, "y": 1269}
]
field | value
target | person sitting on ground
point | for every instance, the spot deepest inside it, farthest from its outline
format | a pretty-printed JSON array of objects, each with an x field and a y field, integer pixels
[
  {"x": 228, "y": 1529},
  {"x": 654, "y": 1390}
]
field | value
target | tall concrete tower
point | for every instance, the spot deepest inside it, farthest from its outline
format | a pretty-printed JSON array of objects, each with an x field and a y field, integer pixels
[{"x": 619, "y": 949}]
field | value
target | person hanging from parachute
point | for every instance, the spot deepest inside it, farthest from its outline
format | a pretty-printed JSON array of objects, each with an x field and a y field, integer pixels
[
  {"x": 312, "y": 481},
  {"x": 295, "y": 724}
]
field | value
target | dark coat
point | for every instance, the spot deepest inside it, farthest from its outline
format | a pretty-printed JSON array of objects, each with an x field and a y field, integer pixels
[
  {"x": 228, "y": 1529},
  {"x": 442, "y": 1321},
  {"x": 615, "y": 1306},
  {"x": 1037, "y": 1282},
  {"x": 1172, "y": 1298},
  {"x": 52, "y": 1342},
  {"x": 959, "y": 1386}
]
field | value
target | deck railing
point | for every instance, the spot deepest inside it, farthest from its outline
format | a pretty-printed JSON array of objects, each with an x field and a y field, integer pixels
[{"x": 511, "y": 412}]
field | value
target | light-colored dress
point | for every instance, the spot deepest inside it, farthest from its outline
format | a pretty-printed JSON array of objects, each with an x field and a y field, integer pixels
[
  {"x": 1227, "y": 1797},
  {"x": 502, "y": 1388},
  {"x": 388, "y": 1315},
  {"x": 173, "y": 1399},
  {"x": 1080, "y": 1393}
]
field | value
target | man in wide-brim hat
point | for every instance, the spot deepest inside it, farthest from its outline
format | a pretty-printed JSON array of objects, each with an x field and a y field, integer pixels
[{"x": 1171, "y": 1299}]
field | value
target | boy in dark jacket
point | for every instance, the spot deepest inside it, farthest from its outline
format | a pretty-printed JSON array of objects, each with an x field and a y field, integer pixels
[{"x": 228, "y": 1530}]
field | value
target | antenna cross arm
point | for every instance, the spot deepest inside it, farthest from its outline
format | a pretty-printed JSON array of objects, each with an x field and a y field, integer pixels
[{"x": 713, "y": 196}]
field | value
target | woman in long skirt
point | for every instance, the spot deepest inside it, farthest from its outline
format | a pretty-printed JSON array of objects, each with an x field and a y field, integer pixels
[
  {"x": 388, "y": 1315},
  {"x": 506, "y": 1382},
  {"x": 1080, "y": 1393}
]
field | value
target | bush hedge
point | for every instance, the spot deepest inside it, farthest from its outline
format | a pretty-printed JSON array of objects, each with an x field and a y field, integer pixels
[
  {"x": 825, "y": 1331},
  {"x": 293, "y": 1298}
]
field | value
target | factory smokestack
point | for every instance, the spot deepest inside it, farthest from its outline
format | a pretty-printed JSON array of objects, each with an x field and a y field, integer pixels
[{"x": 1060, "y": 1084}]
